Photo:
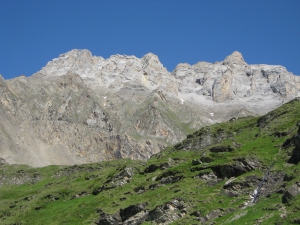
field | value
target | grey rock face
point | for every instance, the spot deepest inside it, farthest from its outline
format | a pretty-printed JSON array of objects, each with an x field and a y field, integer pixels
[
  {"x": 132, "y": 215},
  {"x": 3, "y": 162},
  {"x": 132, "y": 210},
  {"x": 106, "y": 219},
  {"x": 117, "y": 180},
  {"x": 82, "y": 108},
  {"x": 168, "y": 212},
  {"x": 19, "y": 178}
]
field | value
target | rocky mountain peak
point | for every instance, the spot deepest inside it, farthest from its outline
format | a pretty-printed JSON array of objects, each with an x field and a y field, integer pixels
[
  {"x": 235, "y": 58},
  {"x": 151, "y": 60},
  {"x": 79, "y": 61},
  {"x": 149, "y": 56},
  {"x": 76, "y": 53},
  {"x": 181, "y": 70}
]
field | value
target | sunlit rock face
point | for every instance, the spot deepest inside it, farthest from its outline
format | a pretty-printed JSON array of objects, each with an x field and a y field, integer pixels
[{"x": 82, "y": 108}]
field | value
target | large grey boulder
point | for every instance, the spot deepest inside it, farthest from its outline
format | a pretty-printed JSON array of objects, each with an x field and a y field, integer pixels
[{"x": 291, "y": 193}]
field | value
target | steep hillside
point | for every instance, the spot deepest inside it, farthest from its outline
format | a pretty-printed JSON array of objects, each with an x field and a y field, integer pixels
[
  {"x": 245, "y": 171},
  {"x": 82, "y": 108}
]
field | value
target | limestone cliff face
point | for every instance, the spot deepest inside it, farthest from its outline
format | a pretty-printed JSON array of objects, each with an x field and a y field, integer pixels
[
  {"x": 82, "y": 108},
  {"x": 233, "y": 80}
]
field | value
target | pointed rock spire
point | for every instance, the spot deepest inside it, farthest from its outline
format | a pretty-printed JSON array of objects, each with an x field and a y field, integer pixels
[
  {"x": 151, "y": 60},
  {"x": 235, "y": 58}
]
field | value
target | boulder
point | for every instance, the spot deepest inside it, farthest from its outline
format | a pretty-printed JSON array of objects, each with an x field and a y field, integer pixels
[
  {"x": 214, "y": 214},
  {"x": 137, "y": 219},
  {"x": 150, "y": 169},
  {"x": 196, "y": 162},
  {"x": 207, "y": 159},
  {"x": 117, "y": 180},
  {"x": 132, "y": 210},
  {"x": 170, "y": 179},
  {"x": 139, "y": 190},
  {"x": 131, "y": 215},
  {"x": 168, "y": 212},
  {"x": 121, "y": 178},
  {"x": 166, "y": 165},
  {"x": 106, "y": 219},
  {"x": 291, "y": 193},
  {"x": 81, "y": 194}
]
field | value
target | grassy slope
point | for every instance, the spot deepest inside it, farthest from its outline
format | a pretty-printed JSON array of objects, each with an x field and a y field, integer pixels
[{"x": 33, "y": 201}]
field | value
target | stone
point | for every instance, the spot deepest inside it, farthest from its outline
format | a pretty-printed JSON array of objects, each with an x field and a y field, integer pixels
[
  {"x": 210, "y": 177},
  {"x": 196, "y": 213},
  {"x": 131, "y": 215},
  {"x": 81, "y": 194},
  {"x": 291, "y": 193},
  {"x": 168, "y": 212},
  {"x": 214, "y": 214},
  {"x": 165, "y": 165},
  {"x": 139, "y": 190},
  {"x": 151, "y": 168},
  {"x": 106, "y": 219},
  {"x": 29, "y": 198},
  {"x": 239, "y": 167},
  {"x": 50, "y": 197},
  {"x": 119, "y": 179},
  {"x": 227, "y": 183},
  {"x": 196, "y": 162},
  {"x": 170, "y": 179},
  {"x": 137, "y": 219},
  {"x": 132, "y": 210}
]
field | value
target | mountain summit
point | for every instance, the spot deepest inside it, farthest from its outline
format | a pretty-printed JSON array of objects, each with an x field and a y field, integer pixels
[
  {"x": 235, "y": 58},
  {"x": 82, "y": 108}
]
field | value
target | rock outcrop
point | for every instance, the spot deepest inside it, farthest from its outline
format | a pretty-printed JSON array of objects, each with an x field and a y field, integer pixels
[
  {"x": 137, "y": 214},
  {"x": 3, "y": 162},
  {"x": 82, "y": 108}
]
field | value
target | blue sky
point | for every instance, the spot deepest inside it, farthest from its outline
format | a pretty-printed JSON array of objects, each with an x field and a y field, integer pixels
[{"x": 33, "y": 32}]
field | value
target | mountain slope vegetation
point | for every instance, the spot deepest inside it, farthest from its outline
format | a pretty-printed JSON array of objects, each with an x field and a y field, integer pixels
[{"x": 245, "y": 170}]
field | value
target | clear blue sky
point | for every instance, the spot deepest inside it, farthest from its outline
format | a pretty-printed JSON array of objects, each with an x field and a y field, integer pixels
[{"x": 33, "y": 32}]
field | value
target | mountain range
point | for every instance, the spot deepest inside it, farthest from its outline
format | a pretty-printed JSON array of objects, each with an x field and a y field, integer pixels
[{"x": 81, "y": 108}]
